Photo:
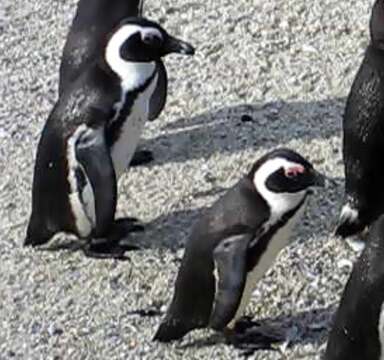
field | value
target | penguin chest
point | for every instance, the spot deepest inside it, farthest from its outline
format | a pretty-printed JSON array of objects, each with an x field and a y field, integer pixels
[
  {"x": 130, "y": 131},
  {"x": 278, "y": 241}
]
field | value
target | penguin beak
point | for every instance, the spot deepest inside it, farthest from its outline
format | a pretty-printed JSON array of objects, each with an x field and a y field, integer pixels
[{"x": 174, "y": 45}]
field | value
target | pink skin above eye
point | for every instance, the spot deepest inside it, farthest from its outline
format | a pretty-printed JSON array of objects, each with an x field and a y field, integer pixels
[{"x": 294, "y": 171}]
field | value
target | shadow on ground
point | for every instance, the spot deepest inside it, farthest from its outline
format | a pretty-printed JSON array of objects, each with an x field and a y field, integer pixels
[
  {"x": 310, "y": 327},
  {"x": 237, "y": 128}
]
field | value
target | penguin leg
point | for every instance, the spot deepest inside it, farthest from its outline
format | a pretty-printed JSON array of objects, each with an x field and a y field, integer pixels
[
  {"x": 141, "y": 157},
  {"x": 93, "y": 154},
  {"x": 251, "y": 336},
  {"x": 111, "y": 246}
]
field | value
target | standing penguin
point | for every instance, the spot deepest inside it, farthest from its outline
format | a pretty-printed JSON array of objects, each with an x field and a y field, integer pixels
[
  {"x": 93, "y": 21},
  {"x": 234, "y": 244},
  {"x": 91, "y": 135},
  {"x": 358, "y": 330},
  {"x": 363, "y": 145}
]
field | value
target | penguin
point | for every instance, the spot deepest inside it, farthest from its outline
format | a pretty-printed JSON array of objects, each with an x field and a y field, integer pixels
[
  {"x": 90, "y": 138},
  {"x": 358, "y": 329},
  {"x": 94, "y": 20},
  {"x": 234, "y": 243},
  {"x": 363, "y": 126}
]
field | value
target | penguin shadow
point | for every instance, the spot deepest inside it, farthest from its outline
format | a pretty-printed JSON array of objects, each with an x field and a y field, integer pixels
[
  {"x": 307, "y": 327},
  {"x": 171, "y": 230},
  {"x": 246, "y": 126}
]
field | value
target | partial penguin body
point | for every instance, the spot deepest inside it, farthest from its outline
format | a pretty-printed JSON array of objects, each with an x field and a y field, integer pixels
[
  {"x": 94, "y": 21},
  {"x": 92, "y": 133},
  {"x": 63, "y": 198},
  {"x": 358, "y": 329},
  {"x": 235, "y": 242},
  {"x": 363, "y": 127}
]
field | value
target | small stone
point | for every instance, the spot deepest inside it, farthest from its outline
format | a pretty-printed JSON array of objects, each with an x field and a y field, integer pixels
[
  {"x": 246, "y": 118},
  {"x": 36, "y": 327},
  {"x": 54, "y": 331}
]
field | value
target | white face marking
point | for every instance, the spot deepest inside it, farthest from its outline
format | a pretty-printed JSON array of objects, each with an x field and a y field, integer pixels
[
  {"x": 83, "y": 205},
  {"x": 280, "y": 203},
  {"x": 132, "y": 74},
  {"x": 381, "y": 332}
]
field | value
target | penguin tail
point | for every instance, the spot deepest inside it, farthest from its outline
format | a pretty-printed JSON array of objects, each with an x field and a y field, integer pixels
[
  {"x": 171, "y": 329},
  {"x": 350, "y": 222}
]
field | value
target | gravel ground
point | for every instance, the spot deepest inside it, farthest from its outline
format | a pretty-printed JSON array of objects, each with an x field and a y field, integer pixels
[{"x": 287, "y": 64}]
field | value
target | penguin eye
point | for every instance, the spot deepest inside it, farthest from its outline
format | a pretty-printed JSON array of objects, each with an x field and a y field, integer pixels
[
  {"x": 294, "y": 171},
  {"x": 152, "y": 40}
]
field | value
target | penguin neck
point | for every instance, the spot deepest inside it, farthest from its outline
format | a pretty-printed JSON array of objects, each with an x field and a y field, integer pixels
[{"x": 133, "y": 75}]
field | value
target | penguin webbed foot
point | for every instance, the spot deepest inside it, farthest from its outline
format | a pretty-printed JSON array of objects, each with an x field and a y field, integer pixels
[
  {"x": 250, "y": 336},
  {"x": 123, "y": 227},
  {"x": 141, "y": 157},
  {"x": 105, "y": 250},
  {"x": 111, "y": 246}
]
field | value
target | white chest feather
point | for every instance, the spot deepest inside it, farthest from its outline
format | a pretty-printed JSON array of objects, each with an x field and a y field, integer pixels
[
  {"x": 130, "y": 132},
  {"x": 276, "y": 244}
]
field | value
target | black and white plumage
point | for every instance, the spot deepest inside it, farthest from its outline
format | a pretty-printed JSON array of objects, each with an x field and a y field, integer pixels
[
  {"x": 91, "y": 26},
  {"x": 358, "y": 329},
  {"x": 91, "y": 136},
  {"x": 235, "y": 242},
  {"x": 363, "y": 128}
]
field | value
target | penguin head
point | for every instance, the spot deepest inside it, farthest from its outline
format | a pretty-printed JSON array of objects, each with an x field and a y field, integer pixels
[
  {"x": 377, "y": 24},
  {"x": 283, "y": 178},
  {"x": 143, "y": 41}
]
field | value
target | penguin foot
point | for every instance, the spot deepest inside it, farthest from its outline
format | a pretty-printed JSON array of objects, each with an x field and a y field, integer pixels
[
  {"x": 110, "y": 247},
  {"x": 251, "y": 336},
  {"x": 121, "y": 228},
  {"x": 105, "y": 250},
  {"x": 141, "y": 157}
]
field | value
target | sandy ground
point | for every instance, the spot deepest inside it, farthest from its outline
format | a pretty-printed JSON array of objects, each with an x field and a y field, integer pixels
[{"x": 287, "y": 64}]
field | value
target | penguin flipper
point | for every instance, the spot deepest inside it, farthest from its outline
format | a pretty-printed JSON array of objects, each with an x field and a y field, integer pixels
[
  {"x": 230, "y": 258},
  {"x": 159, "y": 96},
  {"x": 93, "y": 154}
]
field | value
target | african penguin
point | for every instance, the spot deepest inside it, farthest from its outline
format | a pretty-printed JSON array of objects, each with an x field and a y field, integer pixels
[
  {"x": 235, "y": 242},
  {"x": 93, "y": 21},
  {"x": 91, "y": 135},
  {"x": 363, "y": 125},
  {"x": 358, "y": 329}
]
